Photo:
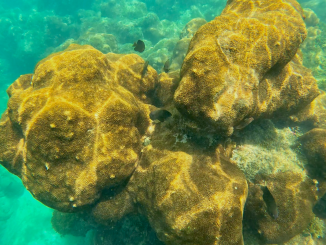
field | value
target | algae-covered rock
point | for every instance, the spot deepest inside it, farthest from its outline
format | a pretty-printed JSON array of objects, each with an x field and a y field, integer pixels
[
  {"x": 167, "y": 85},
  {"x": 294, "y": 196},
  {"x": 131, "y": 230},
  {"x": 242, "y": 65},
  {"x": 70, "y": 223},
  {"x": 314, "y": 113},
  {"x": 190, "y": 198},
  {"x": 113, "y": 208},
  {"x": 104, "y": 42},
  {"x": 181, "y": 48},
  {"x": 74, "y": 127},
  {"x": 311, "y": 19},
  {"x": 191, "y": 27},
  {"x": 73, "y": 133}
]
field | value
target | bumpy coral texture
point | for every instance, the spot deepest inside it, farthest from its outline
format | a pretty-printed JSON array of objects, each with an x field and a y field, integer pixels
[
  {"x": 241, "y": 65},
  {"x": 294, "y": 196},
  {"x": 191, "y": 199},
  {"x": 74, "y": 127}
]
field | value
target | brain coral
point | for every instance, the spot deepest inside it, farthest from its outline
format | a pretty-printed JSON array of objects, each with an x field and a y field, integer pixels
[
  {"x": 242, "y": 65},
  {"x": 73, "y": 127}
]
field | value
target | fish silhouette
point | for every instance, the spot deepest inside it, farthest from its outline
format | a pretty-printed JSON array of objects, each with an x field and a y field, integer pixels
[
  {"x": 144, "y": 70},
  {"x": 139, "y": 46},
  {"x": 166, "y": 66},
  {"x": 270, "y": 202},
  {"x": 160, "y": 115},
  {"x": 244, "y": 123}
]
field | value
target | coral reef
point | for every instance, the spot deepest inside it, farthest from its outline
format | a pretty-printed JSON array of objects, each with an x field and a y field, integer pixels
[
  {"x": 182, "y": 45},
  {"x": 73, "y": 132},
  {"x": 78, "y": 132},
  {"x": 311, "y": 19},
  {"x": 320, "y": 207},
  {"x": 31, "y": 30},
  {"x": 304, "y": 239},
  {"x": 314, "y": 56},
  {"x": 112, "y": 208},
  {"x": 127, "y": 231},
  {"x": 317, "y": 5},
  {"x": 259, "y": 73}
]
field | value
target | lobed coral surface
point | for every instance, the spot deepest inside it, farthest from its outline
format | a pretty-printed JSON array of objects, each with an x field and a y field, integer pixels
[{"x": 243, "y": 64}]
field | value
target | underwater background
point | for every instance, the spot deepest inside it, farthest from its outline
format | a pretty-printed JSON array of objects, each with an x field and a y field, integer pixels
[{"x": 31, "y": 30}]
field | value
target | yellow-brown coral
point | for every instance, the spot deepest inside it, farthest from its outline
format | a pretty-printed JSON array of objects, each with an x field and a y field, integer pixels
[
  {"x": 74, "y": 127},
  {"x": 190, "y": 199},
  {"x": 294, "y": 197},
  {"x": 239, "y": 65}
]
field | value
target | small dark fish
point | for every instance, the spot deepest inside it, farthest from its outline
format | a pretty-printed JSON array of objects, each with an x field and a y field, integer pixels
[
  {"x": 139, "y": 46},
  {"x": 166, "y": 66},
  {"x": 144, "y": 70},
  {"x": 270, "y": 202},
  {"x": 244, "y": 123},
  {"x": 160, "y": 115}
]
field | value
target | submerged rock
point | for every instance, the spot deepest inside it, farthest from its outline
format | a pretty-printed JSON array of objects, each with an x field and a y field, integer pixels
[
  {"x": 190, "y": 199},
  {"x": 314, "y": 147},
  {"x": 246, "y": 66},
  {"x": 73, "y": 128},
  {"x": 73, "y": 133},
  {"x": 314, "y": 113}
]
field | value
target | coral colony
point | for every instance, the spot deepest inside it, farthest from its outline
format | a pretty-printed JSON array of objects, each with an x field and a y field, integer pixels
[{"x": 192, "y": 153}]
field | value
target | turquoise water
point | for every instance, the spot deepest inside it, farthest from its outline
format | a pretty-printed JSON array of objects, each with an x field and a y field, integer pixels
[{"x": 31, "y": 30}]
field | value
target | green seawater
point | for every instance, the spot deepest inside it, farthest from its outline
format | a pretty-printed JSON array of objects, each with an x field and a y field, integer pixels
[{"x": 31, "y": 30}]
